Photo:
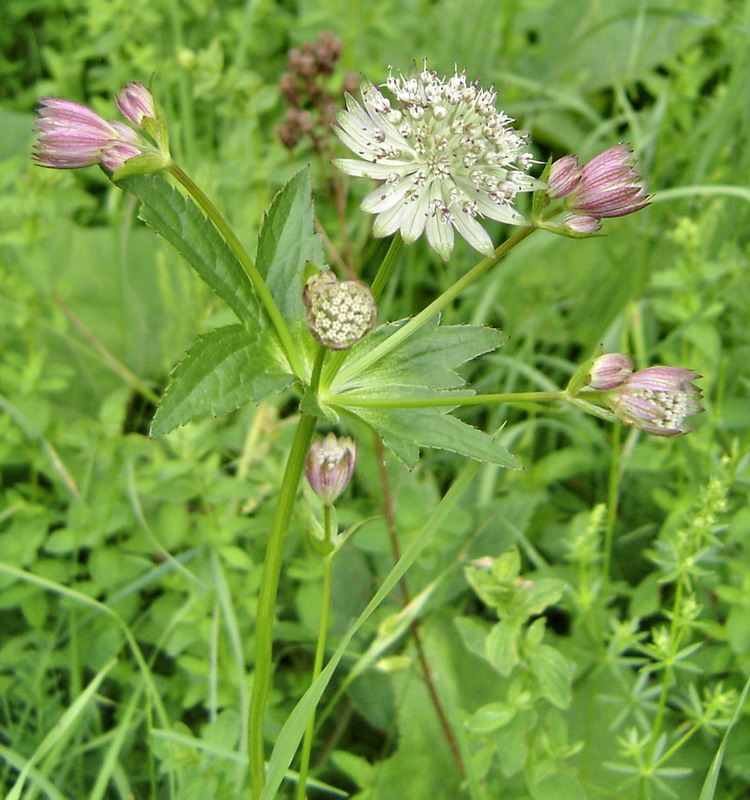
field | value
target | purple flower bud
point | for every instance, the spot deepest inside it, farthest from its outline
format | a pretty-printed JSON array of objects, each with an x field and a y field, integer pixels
[
  {"x": 610, "y": 185},
  {"x": 581, "y": 224},
  {"x": 610, "y": 371},
  {"x": 72, "y": 136},
  {"x": 657, "y": 400},
  {"x": 564, "y": 177},
  {"x": 338, "y": 314},
  {"x": 135, "y": 101},
  {"x": 329, "y": 466}
]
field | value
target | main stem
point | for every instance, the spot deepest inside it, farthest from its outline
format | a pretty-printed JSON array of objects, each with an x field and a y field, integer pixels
[
  {"x": 260, "y": 286},
  {"x": 319, "y": 653},
  {"x": 267, "y": 600}
]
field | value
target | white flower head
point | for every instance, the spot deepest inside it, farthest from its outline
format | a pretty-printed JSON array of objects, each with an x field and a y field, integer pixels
[{"x": 445, "y": 156}]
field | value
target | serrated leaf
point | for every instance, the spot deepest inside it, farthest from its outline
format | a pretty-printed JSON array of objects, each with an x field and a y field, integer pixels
[
  {"x": 179, "y": 220},
  {"x": 223, "y": 370},
  {"x": 287, "y": 242},
  {"x": 501, "y": 646},
  {"x": 490, "y": 717},
  {"x": 405, "y": 430},
  {"x": 427, "y": 358},
  {"x": 552, "y": 671}
]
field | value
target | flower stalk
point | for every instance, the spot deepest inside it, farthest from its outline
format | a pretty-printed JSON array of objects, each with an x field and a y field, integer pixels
[
  {"x": 291, "y": 350},
  {"x": 319, "y": 652},
  {"x": 267, "y": 599}
]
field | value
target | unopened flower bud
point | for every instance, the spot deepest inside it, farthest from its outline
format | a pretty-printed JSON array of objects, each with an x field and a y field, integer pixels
[
  {"x": 610, "y": 185},
  {"x": 338, "y": 314},
  {"x": 329, "y": 466},
  {"x": 658, "y": 400},
  {"x": 610, "y": 371},
  {"x": 578, "y": 223},
  {"x": 564, "y": 177},
  {"x": 135, "y": 101},
  {"x": 70, "y": 136}
]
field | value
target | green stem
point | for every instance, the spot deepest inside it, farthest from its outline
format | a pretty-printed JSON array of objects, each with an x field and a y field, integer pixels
[
  {"x": 384, "y": 272},
  {"x": 267, "y": 600},
  {"x": 612, "y": 495},
  {"x": 378, "y": 284},
  {"x": 260, "y": 286},
  {"x": 354, "y": 368},
  {"x": 676, "y": 630},
  {"x": 675, "y": 637},
  {"x": 354, "y": 401},
  {"x": 319, "y": 653},
  {"x": 320, "y": 357},
  {"x": 676, "y": 746}
]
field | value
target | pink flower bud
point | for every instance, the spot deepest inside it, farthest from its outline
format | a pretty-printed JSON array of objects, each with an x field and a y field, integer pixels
[
  {"x": 329, "y": 466},
  {"x": 581, "y": 224},
  {"x": 135, "y": 101},
  {"x": 70, "y": 136},
  {"x": 610, "y": 185},
  {"x": 564, "y": 177},
  {"x": 610, "y": 371}
]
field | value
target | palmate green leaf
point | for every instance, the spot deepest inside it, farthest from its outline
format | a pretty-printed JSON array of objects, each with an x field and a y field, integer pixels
[
  {"x": 179, "y": 220},
  {"x": 405, "y": 430},
  {"x": 223, "y": 370},
  {"x": 421, "y": 367},
  {"x": 427, "y": 358},
  {"x": 286, "y": 243}
]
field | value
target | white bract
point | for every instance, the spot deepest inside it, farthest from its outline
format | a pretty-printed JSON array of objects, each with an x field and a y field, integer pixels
[{"x": 445, "y": 155}]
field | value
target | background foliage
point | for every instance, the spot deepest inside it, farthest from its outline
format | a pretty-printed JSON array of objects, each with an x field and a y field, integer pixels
[{"x": 129, "y": 566}]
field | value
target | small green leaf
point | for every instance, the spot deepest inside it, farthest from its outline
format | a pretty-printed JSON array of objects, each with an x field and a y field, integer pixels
[
  {"x": 144, "y": 164},
  {"x": 501, "y": 646},
  {"x": 287, "y": 242},
  {"x": 179, "y": 220},
  {"x": 404, "y": 430},
  {"x": 491, "y": 717},
  {"x": 551, "y": 669},
  {"x": 540, "y": 198},
  {"x": 223, "y": 370}
]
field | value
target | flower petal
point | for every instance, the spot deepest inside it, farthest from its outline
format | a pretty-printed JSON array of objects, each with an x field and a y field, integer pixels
[
  {"x": 385, "y": 197},
  {"x": 415, "y": 216},
  {"x": 473, "y": 232}
]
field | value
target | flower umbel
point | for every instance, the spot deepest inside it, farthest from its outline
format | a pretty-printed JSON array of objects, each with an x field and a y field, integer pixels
[
  {"x": 71, "y": 136},
  {"x": 339, "y": 314},
  {"x": 658, "y": 400},
  {"x": 445, "y": 155},
  {"x": 329, "y": 466}
]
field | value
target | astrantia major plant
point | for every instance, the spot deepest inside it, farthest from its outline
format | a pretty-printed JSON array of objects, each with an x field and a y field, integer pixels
[{"x": 444, "y": 157}]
